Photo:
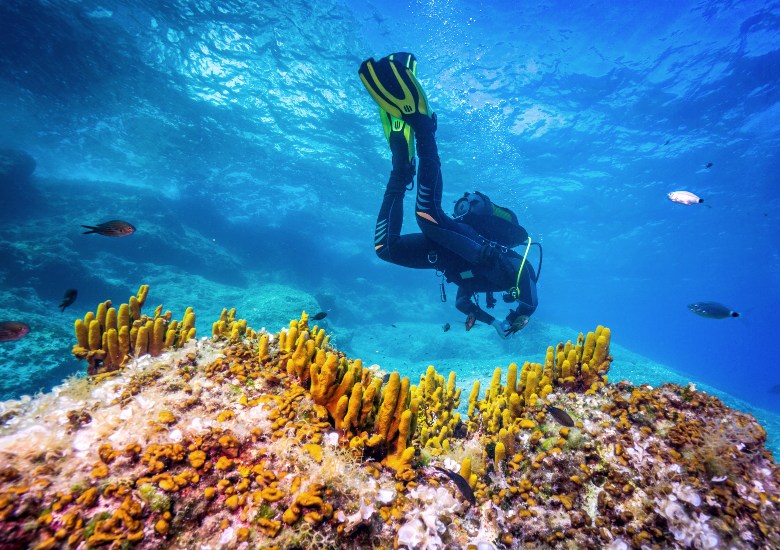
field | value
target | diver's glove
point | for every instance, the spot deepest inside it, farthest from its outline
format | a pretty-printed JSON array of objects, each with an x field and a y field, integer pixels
[
  {"x": 502, "y": 328},
  {"x": 490, "y": 300}
]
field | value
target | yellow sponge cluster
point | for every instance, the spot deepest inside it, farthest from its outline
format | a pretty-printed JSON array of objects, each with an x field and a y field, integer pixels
[
  {"x": 301, "y": 347},
  {"x": 108, "y": 337},
  {"x": 435, "y": 418},
  {"x": 372, "y": 419},
  {"x": 506, "y": 410},
  {"x": 229, "y": 327}
]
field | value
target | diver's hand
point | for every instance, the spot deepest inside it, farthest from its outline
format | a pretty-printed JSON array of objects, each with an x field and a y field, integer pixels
[
  {"x": 502, "y": 328},
  {"x": 517, "y": 325}
]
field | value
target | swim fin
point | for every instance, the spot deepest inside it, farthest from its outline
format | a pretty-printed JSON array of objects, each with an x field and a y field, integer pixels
[
  {"x": 399, "y": 134},
  {"x": 400, "y": 137},
  {"x": 392, "y": 84}
]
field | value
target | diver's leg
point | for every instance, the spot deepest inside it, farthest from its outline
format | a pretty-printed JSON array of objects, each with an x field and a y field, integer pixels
[
  {"x": 404, "y": 250},
  {"x": 392, "y": 83},
  {"x": 389, "y": 244},
  {"x": 433, "y": 221}
]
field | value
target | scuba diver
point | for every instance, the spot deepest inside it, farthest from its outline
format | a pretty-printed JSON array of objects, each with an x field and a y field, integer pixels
[{"x": 473, "y": 249}]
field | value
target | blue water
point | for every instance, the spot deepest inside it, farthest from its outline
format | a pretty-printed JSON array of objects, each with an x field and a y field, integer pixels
[{"x": 238, "y": 138}]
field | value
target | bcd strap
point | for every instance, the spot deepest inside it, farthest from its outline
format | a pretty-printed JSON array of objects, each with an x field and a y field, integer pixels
[{"x": 515, "y": 292}]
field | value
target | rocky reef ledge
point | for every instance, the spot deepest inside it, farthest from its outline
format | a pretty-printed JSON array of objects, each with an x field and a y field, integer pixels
[{"x": 256, "y": 440}]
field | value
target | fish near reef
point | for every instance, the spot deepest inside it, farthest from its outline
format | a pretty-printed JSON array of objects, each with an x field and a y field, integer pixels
[
  {"x": 113, "y": 228},
  {"x": 69, "y": 298},
  {"x": 446, "y": 327},
  {"x": 560, "y": 416},
  {"x": 684, "y": 197},
  {"x": 319, "y": 316},
  {"x": 712, "y": 310},
  {"x": 10, "y": 331},
  {"x": 461, "y": 483}
]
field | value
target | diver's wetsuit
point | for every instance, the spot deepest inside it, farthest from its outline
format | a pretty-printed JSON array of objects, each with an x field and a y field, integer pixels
[{"x": 445, "y": 244}]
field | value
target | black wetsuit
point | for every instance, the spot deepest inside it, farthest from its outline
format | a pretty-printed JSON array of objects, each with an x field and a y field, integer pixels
[{"x": 452, "y": 247}]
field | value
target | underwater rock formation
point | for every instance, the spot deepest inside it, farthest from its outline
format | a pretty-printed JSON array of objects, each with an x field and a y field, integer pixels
[{"x": 280, "y": 441}]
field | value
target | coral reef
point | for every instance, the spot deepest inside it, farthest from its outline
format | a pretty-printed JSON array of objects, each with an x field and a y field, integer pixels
[{"x": 278, "y": 440}]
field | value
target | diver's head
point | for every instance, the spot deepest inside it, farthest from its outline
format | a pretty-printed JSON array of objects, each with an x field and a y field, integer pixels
[{"x": 471, "y": 203}]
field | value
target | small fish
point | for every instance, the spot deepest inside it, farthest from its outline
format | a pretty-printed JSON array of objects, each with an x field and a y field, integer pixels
[
  {"x": 446, "y": 327},
  {"x": 684, "y": 197},
  {"x": 114, "y": 228},
  {"x": 667, "y": 142},
  {"x": 461, "y": 483},
  {"x": 708, "y": 165},
  {"x": 320, "y": 316},
  {"x": 69, "y": 298},
  {"x": 712, "y": 310},
  {"x": 560, "y": 416},
  {"x": 775, "y": 389},
  {"x": 11, "y": 331}
]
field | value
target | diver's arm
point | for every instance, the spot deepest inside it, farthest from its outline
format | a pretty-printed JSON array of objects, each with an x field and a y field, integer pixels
[{"x": 466, "y": 305}]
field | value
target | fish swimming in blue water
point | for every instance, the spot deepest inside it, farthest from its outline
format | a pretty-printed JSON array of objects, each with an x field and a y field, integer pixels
[
  {"x": 319, "y": 316},
  {"x": 10, "y": 331},
  {"x": 69, "y": 298},
  {"x": 712, "y": 310},
  {"x": 684, "y": 197},
  {"x": 113, "y": 228}
]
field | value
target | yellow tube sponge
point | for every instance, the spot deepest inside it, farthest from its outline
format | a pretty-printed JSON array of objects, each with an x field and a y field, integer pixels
[
  {"x": 94, "y": 337},
  {"x": 262, "y": 346},
  {"x": 111, "y": 319},
  {"x": 135, "y": 308},
  {"x": 353, "y": 409},
  {"x": 530, "y": 385},
  {"x": 141, "y": 342},
  {"x": 124, "y": 340},
  {"x": 143, "y": 290},
  {"x": 387, "y": 406},
  {"x": 157, "y": 340},
  {"x": 112, "y": 341},
  {"x": 511, "y": 380},
  {"x": 400, "y": 460},
  {"x": 123, "y": 316},
  {"x": 500, "y": 454},
  {"x": 82, "y": 333}
]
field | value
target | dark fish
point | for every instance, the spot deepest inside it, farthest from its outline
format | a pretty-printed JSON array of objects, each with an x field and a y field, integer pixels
[
  {"x": 712, "y": 310},
  {"x": 12, "y": 330},
  {"x": 667, "y": 142},
  {"x": 320, "y": 316},
  {"x": 446, "y": 327},
  {"x": 560, "y": 416},
  {"x": 461, "y": 483},
  {"x": 69, "y": 298},
  {"x": 114, "y": 228},
  {"x": 708, "y": 165},
  {"x": 393, "y": 326}
]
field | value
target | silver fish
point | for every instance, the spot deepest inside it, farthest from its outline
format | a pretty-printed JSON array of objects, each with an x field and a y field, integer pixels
[
  {"x": 684, "y": 197},
  {"x": 712, "y": 310}
]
